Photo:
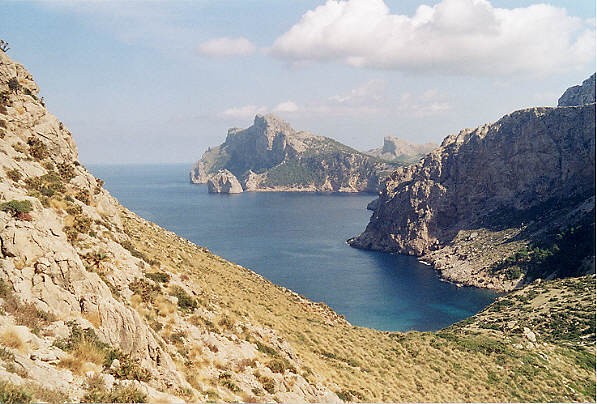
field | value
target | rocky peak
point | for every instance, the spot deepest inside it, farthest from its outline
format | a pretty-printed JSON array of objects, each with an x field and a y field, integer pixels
[
  {"x": 399, "y": 149},
  {"x": 579, "y": 95},
  {"x": 529, "y": 161}
]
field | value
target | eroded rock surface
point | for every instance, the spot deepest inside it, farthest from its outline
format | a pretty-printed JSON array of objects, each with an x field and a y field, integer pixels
[
  {"x": 224, "y": 182},
  {"x": 478, "y": 181}
]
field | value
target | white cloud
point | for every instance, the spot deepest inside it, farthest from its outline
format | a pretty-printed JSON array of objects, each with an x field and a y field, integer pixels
[
  {"x": 287, "y": 106},
  {"x": 454, "y": 36},
  {"x": 244, "y": 112},
  {"x": 224, "y": 47},
  {"x": 369, "y": 93},
  {"x": 429, "y": 103}
]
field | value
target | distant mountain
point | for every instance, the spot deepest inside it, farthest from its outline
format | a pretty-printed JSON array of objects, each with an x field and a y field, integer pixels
[
  {"x": 272, "y": 156},
  {"x": 500, "y": 205},
  {"x": 401, "y": 151}
]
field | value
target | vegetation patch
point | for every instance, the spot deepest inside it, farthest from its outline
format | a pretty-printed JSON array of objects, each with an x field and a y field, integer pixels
[
  {"x": 11, "y": 393},
  {"x": 120, "y": 393},
  {"x": 85, "y": 346},
  {"x": 185, "y": 302},
  {"x": 18, "y": 209}
]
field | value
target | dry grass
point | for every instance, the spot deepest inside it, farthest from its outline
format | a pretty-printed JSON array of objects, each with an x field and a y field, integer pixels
[
  {"x": 370, "y": 365},
  {"x": 10, "y": 338}
]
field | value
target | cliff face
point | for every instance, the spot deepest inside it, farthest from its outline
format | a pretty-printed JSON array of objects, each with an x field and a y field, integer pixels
[
  {"x": 399, "y": 150},
  {"x": 271, "y": 156},
  {"x": 579, "y": 95},
  {"x": 529, "y": 159}
]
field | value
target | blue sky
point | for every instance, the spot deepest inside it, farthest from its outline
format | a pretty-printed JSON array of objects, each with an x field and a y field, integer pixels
[{"x": 160, "y": 81}]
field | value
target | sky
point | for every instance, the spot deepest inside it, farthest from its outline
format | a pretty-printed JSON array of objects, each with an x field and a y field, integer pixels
[{"x": 161, "y": 81}]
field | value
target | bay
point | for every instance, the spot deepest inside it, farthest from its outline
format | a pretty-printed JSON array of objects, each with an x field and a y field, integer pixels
[{"x": 298, "y": 240}]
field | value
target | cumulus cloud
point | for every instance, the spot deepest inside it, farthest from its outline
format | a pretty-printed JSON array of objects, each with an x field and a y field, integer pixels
[
  {"x": 225, "y": 47},
  {"x": 244, "y": 112},
  {"x": 429, "y": 103},
  {"x": 287, "y": 106},
  {"x": 454, "y": 36}
]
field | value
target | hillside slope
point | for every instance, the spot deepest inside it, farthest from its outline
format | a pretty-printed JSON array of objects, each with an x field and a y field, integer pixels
[
  {"x": 100, "y": 305},
  {"x": 505, "y": 190},
  {"x": 271, "y": 156}
]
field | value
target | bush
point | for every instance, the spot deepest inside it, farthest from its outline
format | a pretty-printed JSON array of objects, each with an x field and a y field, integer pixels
[
  {"x": 14, "y": 175},
  {"x": 84, "y": 197},
  {"x": 10, "y": 393},
  {"x": 118, "y": 394},
  {"x": 185, "y": 302},
  {"x": 37, "y": 148},
  {"x": 66, "y": 171},
  {"x": 158, "y": 277},
  {"x": 146, "y": 290},
  {"x": 82, "y": 224},
  {"x": 14, "y": 85},
  {"x": 19, "y": 209}
]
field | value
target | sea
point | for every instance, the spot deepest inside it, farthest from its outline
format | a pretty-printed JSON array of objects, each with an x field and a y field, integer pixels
[{"x": 298, "y": 240}]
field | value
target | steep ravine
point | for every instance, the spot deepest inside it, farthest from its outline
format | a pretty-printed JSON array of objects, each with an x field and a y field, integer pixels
[{"x": 100, "y": 305}]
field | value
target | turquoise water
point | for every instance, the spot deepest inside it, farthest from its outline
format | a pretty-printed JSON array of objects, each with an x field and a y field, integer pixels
[{"x": 298, "y": 240}]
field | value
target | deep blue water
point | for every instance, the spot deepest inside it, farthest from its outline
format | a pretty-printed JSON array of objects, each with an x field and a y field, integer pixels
[{"x": 298, "y": 240}]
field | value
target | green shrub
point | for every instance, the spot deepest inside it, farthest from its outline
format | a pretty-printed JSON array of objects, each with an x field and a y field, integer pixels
[
  {"x": 10, "y": 393},
  {"x": 185, "y": 302},
  {"x": 17, "y": 208},
  {"x": 280, "y": 366},
  {"x": 159, "y": 277}
]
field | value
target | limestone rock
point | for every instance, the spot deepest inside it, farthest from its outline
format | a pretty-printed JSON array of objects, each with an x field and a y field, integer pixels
[
  {"x": 272, "y": 156},
  {"x": 198, "y": 174},
  {"x": 527, "y": 159},
  {"x": 224, "y": 182},
  {"x": 579, "y": 95}
]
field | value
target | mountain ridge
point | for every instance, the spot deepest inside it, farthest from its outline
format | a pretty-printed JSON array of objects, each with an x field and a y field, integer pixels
[
  {"x": 271, "y": 156},
  {"x": 515, "y": 168}
]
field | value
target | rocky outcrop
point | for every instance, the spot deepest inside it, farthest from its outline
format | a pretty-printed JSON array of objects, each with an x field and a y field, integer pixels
[
  {"x": 224, "y": 182},
  {"x": 532, "y": 159},
  {"x": 271, "y": 156},
  {"x": 579, "y": 95},
  {"x": 399, "y": 150}
]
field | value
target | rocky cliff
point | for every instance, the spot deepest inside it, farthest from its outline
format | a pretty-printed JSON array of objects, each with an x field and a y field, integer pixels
[
  {"x": 401, "y": 151},
  {"x": 271, "y": 156},
  {"x": 486, "y": 193},
  {"x": 579, "y": 95},
  {"x": 100, "y": 305}
]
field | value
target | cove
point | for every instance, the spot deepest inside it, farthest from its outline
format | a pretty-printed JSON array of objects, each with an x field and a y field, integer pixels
[{"x": 298, "y": 240}]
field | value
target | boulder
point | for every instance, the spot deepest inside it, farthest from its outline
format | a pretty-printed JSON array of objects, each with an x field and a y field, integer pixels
[{"x": 224, "y": 182}]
